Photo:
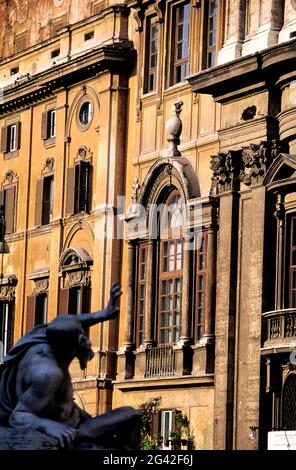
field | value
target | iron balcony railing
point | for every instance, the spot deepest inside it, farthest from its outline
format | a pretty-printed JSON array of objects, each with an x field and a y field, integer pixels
[
  {"x": 279, "y": 327},
  {"x": 160, "y": 362}
]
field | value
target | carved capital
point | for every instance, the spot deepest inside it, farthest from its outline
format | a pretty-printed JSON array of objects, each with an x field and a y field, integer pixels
[
  {"x": 256, "y": 159},
  {"x": 225, "y": 168}
]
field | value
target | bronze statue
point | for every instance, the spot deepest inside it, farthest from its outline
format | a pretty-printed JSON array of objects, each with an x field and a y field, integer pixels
[{"x": 36, "y": 390}]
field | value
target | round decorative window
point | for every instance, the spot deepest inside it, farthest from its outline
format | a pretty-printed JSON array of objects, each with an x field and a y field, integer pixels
[
  {"x": 58, "y": 3},
  {"x": 85, "y": 114}
]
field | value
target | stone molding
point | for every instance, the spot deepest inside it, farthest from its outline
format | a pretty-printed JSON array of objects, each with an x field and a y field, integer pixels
[{"x": 248, "y": 166}]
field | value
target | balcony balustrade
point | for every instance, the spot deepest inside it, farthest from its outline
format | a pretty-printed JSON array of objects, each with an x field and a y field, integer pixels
[
  {"x": 279, "y": 328},
  {"x": 160, "y": 362}
]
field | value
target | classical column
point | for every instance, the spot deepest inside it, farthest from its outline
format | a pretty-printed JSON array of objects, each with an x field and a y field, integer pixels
[
  {"x": 280, "y": 216},
  {"x": 149, "y": 295},
  {"x": 129, "y": 322},
  {"x": 186, "y": 292},
  {"x": 210, "y": 288}
]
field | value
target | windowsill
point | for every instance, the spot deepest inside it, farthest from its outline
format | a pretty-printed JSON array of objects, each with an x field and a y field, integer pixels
[
  {"x": 9, "y": 155},
  {"x": 50, "y": 142},
  {"x": 177, "y": 86},
  {"x": 149, "y": 94}
]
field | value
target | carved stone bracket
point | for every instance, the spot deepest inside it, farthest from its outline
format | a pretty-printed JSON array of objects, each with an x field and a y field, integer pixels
[
  {"x": 139, "y": 18},
  {"x": 7, "y": 288},
  {"x": 41, "y": 286},
  {"x": 225, "y": 168},
  {"x": 159, "y": 8},
  {"x": 247, "y": 165},
  {"x": 83, "y": 153},
  {"x": 256, "y": 160},
  {"x": 10, "y": 177},
  {"x": 74, "y": 278},
  {"x": 48, "y": 165}
]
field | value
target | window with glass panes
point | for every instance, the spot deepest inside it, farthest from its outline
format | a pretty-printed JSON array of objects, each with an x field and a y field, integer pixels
[
  {"x": 292, "y": 296},
  {"x": 6, "y": 328},
  {"x": 171, "y": 272},
  {"x": 211, "y": 33},
  {"x": 142, "y": 254},
  {"x": 200, "y": 284},
  {"x": 151, "y": 55},
  {"x": 180, "y": 44}
]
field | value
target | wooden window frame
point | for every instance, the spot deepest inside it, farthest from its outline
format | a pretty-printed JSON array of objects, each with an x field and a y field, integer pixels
[
  {"x": 43, "y": 295},
  {"x": 149, "y": 71},
  {"x": 10, "y": 209},
  {"x": 172, "y": 39},
  {"x": 48, "y": 128},
  {"x": 6, "y": 148},
  {"x": 165, "y": 276},
  {"x": 9, "y": 329},
  {"x": 65, "y": 299},
  {"x": 141, "y": 283},
  {"x": 82, "y": 198},
  {"x": 47, "y": 213},
  {"x": 200, "y": 272}
]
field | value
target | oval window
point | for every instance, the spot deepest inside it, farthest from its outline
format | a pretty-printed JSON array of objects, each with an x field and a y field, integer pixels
[{"x": 85, "y": 114}]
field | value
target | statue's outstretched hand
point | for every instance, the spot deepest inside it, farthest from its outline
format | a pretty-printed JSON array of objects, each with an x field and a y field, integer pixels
[
  {"x": 64, "y": 434},
  {"x": 112, "y": 308}
]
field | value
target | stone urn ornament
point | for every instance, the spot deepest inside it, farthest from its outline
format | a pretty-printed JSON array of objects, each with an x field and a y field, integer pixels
[{"x": 174, "y": 128}]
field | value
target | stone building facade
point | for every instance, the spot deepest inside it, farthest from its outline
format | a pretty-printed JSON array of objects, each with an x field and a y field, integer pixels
[{"x": 187, "y": 109}]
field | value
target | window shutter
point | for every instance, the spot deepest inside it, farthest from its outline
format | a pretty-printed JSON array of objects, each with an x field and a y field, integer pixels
[
  {"x": 64, "y": 301},
  {"x": 44, "y": 125},
  {"x": 18, "y": 134},
  {"x": 70, "y": 190},
  {"x": 86, "y": 296},
  {"x": 4, "y": 139},
  {"x": 10, "y": 326},
  {"x": 39, "y": 199},
  {"x": 31, "y": 307},
  {"x": 9, "y": 210},
  {"x": 156, "y": 422},
  {"x": 90, "y": 183},
  {"x": 1, "y": 198}
]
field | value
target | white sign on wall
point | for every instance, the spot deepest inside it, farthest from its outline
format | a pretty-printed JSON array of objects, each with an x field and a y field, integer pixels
[{"x": 281, "y": 440}]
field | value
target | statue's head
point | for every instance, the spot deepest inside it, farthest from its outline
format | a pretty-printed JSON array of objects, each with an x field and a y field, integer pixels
[{"x": 68, "y": 339}]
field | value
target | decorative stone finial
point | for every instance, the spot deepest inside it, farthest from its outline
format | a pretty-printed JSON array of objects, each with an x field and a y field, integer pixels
[{"x": 174, "y": 128}]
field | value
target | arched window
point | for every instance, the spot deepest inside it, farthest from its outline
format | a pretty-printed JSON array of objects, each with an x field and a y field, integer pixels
[{"x": 170, "y": 271}]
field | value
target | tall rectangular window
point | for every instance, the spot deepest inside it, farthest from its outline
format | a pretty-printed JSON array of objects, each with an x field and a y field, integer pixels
[
  {"x": 292, "y": 293},
  {"x": 41, "y": 309},
  {"x": 49, "y": 124},
  {"x": 8, "y": 203},
  {"x": 52, "y": 123},
  {"x": 170, "y": 302},
  {"x": 142, "y": 255},
  {"x": 151, "y": 56},
  {"x": 6, "y": 328},
  {"x": 200, "y": 286},
  {"x": 12, "y": 138},
  {"x": 180, "y": 43},
  {"x": 211, "y": 33},
  {"x": 167, "y": 419},
  {"x": 47, "y": 201},
  {"x": 82, "y": 187}
]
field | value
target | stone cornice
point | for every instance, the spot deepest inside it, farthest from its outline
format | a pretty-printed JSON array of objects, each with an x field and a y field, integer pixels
[
  {"x": 264, "y": 68},
  {"x": 112, "y": 57},
  {"x": 120, "y": 8}
]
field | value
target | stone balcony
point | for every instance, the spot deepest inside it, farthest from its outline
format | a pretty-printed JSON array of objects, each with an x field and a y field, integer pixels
[{"x": 279, "y": 331}]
